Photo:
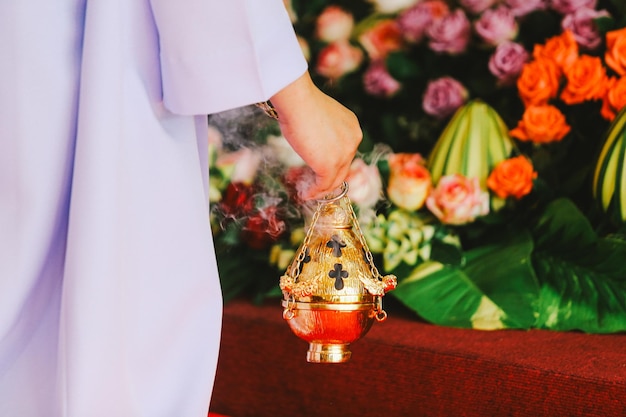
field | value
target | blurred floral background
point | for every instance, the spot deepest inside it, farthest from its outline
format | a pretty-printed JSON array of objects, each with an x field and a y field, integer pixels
[{"x": 491, "y": 177}]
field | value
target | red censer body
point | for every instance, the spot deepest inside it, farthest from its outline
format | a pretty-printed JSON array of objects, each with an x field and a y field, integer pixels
[{"x": 332, "y": 291}]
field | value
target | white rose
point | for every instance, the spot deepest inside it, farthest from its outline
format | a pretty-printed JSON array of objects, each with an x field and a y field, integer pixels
[{"x": 392, "y": 6}]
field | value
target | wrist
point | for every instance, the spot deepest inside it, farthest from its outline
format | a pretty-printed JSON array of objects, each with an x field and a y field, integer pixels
[{"x": 294, "y": 95}]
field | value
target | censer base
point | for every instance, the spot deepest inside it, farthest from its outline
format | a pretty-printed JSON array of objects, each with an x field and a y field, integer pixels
[{"x": 328, "y": 353}]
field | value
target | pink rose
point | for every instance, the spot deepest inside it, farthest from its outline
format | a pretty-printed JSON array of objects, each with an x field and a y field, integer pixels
[
  {"x": 496, "y": 26},
  {"x": 338, "y": 59},
  {"x": 364, "y": 184},
  {"x": 523, "y": 7},
  {"x": 381, "y": 39},
  {"x": 570, "y": 6},
  {"x": 409, "y": 181},
  {"x": 378, "y": 82},
  {"x": 334, "y": 24},
  {"x": 507, "y": 61},
  {"x": 477, "y": 6},
  {"x": 450, "y": 34},
  {"x": 458, "y": 200},
  {"x": 414, "y": 21},
  {"x": 443, "y": 97},
  {"x": 582, "y": 25}
]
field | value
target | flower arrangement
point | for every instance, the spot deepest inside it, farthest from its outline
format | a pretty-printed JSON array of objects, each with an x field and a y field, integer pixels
[{"x": 483, "y": 121}]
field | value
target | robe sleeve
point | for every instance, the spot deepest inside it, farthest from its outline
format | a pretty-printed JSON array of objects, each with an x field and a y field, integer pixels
[{"x": 222, "y": 54}]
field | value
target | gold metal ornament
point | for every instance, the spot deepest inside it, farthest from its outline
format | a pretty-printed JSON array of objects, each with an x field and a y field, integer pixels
[{"x": 332, "y": 291}]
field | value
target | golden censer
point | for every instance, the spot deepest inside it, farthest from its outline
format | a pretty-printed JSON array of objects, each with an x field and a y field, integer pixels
[{"x": 332, "y": 291}]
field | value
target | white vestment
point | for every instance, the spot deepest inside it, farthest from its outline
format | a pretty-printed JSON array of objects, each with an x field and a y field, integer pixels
[{"x": 110, "y": 303}]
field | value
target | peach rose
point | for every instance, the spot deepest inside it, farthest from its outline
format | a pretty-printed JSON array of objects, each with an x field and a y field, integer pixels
[
  {"x": 338, "y": 59},
  {"x": 586, "y": 80},
  {"x": 512, "y": 177},
  {"x": 365, "y": 185},
  {"x": 458, "y": 200},
  {"x": 541, "y": 124},
  {"x": 334, "y": 24},
  {"x": 615, "y": 55},
  {"x": 538, "y": 82},
  {"x": 562, "y": 50},
  {"x": 409, "y": 181},
  {"x": 614, "y": 99},
  {"x": 381, "y": 39}
]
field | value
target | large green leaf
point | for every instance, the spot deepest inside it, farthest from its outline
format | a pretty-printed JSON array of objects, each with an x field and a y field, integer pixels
[
  {"x": 444, "y": 295},
  {"x": 496, "y": 288},
  {"x": 503, "y": 271},
  {"x": 582, "y": 276}
]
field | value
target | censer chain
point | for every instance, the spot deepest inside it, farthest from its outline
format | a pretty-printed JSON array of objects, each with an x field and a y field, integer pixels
[
  {"x": 368, "y": 254},
  {"x": 305, "y": 243}
]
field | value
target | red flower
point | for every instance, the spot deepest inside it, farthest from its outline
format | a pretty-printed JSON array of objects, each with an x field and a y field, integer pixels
[
  {"x": 263, "y": 228},
  {"x": 238, "y": 200}
]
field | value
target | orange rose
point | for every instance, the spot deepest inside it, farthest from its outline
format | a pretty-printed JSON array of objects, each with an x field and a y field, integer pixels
[
  {"x": 615, "y": 55},
  {"x": 512, "y": 177},
  {"x": 409, "y": 181},
  {"x": 562, "y": 49},
  {"x": 614, "y": 99},
  {"x": 383, "y": 38},
  {"x": 541, "y": 124},
  {"x": 586, "y": 80},
  {"x": 538, "y": 82}
]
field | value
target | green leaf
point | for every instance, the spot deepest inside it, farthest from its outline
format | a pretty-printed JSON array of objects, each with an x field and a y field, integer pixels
[
  {"x": 582, "y": 276},
  {"x": 253, "y": 277},
  {"x": 496, "y": 287},
  {"x": 235, "y": 276},
  {"x": 446, "y": 253},
  {"x": 503, "y": 270},
  {"x": 605, "y": 24},
  {"x": 402, "y": 67},
  {"x": 445, "y": 296}
]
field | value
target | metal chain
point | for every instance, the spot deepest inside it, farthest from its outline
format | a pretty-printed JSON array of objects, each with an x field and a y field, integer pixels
[
  {"x": 368, "y": 254},
  {"x": 305, "y": 243}
]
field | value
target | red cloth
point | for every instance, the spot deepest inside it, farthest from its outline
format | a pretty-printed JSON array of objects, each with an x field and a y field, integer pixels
[{"x": 404, "y": 367}]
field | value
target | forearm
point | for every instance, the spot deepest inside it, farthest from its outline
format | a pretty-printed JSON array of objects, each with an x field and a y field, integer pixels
[{"x": 321, "y": 130}]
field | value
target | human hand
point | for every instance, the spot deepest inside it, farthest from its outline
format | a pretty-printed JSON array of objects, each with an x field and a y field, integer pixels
[{"x": 321, "y": 130}]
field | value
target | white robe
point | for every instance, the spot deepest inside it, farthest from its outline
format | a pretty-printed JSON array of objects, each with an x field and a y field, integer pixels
[{"x": 109, "y": 298}]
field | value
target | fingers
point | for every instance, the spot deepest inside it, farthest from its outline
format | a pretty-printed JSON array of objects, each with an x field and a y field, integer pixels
[{"x": 327, "y": 183}]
